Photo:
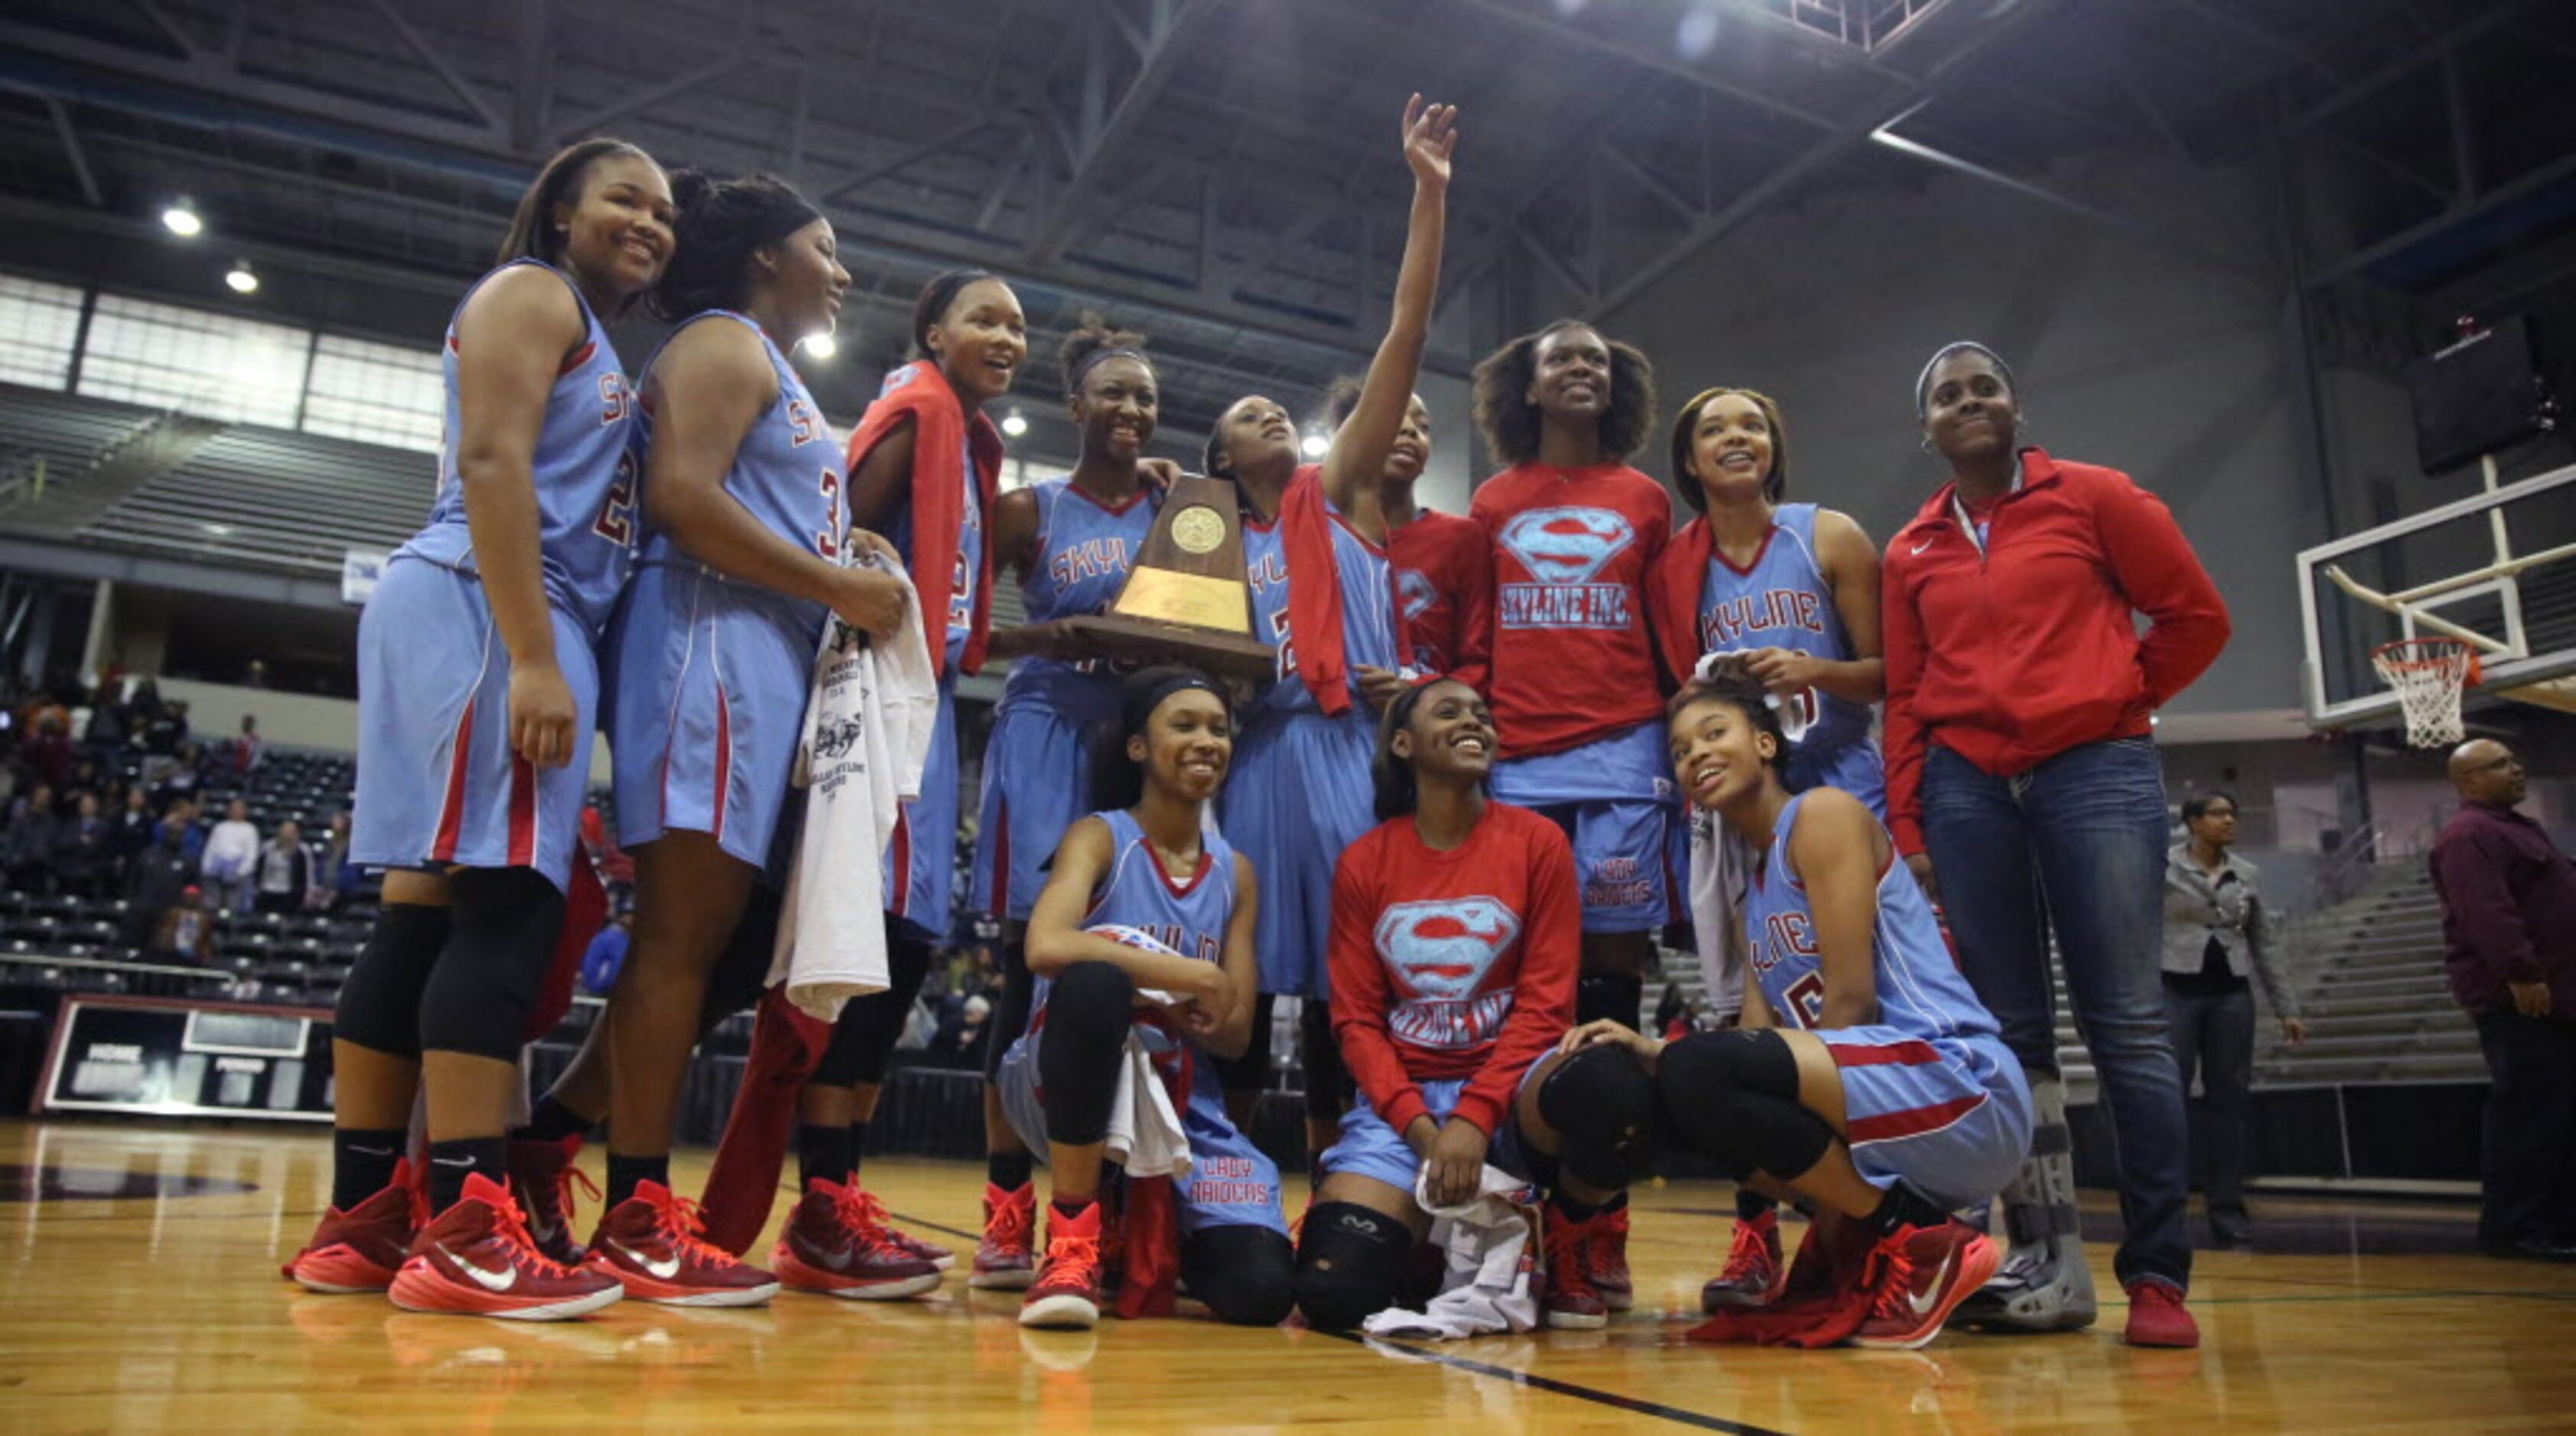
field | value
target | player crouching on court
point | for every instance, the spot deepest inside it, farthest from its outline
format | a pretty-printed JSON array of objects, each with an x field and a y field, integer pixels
[
  {"x": 1866, "y": 1076},
  {"x": 1146, "y": 863},
  {"x": 1457, "y": 941}
]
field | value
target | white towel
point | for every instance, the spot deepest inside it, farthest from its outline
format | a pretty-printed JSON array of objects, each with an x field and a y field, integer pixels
[
  {"x": 867, "y": 734},
  {"x": 1492, "y": 1246},
  {"x": 1719, "y": 871},
  {"x": 1145, "y": 1133}
]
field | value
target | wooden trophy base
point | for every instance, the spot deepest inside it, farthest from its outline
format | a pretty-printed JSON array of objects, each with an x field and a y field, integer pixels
[{"x": 1148, "y": 641}]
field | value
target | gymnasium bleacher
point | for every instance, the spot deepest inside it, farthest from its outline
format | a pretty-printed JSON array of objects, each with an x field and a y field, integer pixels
[{"x": 64, "y": 433}]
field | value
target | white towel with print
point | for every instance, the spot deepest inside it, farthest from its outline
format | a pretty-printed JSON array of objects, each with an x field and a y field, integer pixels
[
  {"x": 1491, "y": 1242},
  {"x": 1145, "y": 1132},
  {"x": 868, "y": 724},
  {"x": 1720, "y": 870}
]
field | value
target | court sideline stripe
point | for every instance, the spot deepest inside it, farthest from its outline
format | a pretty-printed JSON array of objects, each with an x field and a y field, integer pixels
[
  {"x": 1561, "y": 1388},
  {"x": 1479, "y": 1368}
]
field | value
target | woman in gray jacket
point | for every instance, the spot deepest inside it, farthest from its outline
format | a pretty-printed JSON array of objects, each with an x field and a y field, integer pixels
[{"x": 2218, "y": 928}]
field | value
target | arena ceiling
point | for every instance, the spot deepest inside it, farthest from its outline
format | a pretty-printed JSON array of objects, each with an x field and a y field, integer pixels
[{"x": 1221, "y": 171}]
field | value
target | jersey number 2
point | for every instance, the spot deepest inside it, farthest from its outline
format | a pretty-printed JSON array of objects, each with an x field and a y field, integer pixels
[{"x": 616, "y": 522}]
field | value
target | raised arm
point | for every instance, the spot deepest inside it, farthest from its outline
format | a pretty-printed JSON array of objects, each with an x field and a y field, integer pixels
[{"x": 1359, "y": 451}]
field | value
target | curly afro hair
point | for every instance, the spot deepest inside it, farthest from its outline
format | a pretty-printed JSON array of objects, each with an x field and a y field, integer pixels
[{"x": 1510, "y": 422}]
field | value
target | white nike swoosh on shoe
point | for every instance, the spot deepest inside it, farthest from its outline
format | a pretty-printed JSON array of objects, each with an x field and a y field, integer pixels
[
  {"x": 1931, "y": 1296},
  {"x": 501, "y": 1280},
  {"x": 663, "y": 1270},
  {"x": 373, "y": 1151},
  {"x": 459, "y": 1162}
]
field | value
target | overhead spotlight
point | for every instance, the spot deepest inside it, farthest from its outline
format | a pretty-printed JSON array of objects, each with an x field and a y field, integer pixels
[
  {"x": 1015, "y": 423},
  {"x": 182, "y": 221},
  {"x": 1697, "y": 33},
  {"x": 1316, "y": 446},
  {"x": 240, "y": 280},
  {"x": 821, "y": 346}
]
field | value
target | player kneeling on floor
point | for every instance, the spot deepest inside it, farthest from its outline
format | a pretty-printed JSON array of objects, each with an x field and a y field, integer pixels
[
  {"x": 1866, "y": 1076},
  {"x": 1141, "y": 945},
  {"x": 1457, "y": 941}
]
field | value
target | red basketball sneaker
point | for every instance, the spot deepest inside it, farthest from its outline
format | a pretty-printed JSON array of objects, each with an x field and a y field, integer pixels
[
  {"x": 1920, "y": 1275},
  {"x": 938, "y": 1256},
  {"x": 542, "y": 1178},
  {"x": 361, "y": 1249},
  {"x": 1754, "y": 1272},
  {"x": 650, "y": 1244},
  {"x": 836, "y": 1243},
  {"x": 1067, "y": 1290},
  {"x": 1002, "y": 1260},
  {"x": 1570, "y": 1301},
  {"x": 2157, "y": 1316},
  {"x": 1608, "y": 1251},
  {"x": 478, "y": 1260}
]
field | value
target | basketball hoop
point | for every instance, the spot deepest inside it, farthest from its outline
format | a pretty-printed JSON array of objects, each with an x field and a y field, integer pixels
[{"x": 2430, "y": 675}]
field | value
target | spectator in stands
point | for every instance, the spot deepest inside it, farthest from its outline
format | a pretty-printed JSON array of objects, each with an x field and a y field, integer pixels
[
  {"x": 48, "y": 751},
  {"x": 179, "y": 780},
  {"x": 606, "y": 954},
  {"x": 185, "y": 931},
  {"x": 27, "y": 848},
  {"x": 84, "y": 856},
  {"x": 285, "y": 874},
  {"x": 249, "y": 747},
  {"x": 340, "y": 877},
  {"x": 2218, "y": 928},
  {"x": 159, "y": 876},
  {"x": 132, "y": 828},
  {"x": 192, "y": 830},
  {"x": 107, "y": 731},
  {"x": 961, "y": 1043},
  {"x": 2509, "y": 947},
  {"x": 232, "y": 858},
  {"x": 167, "y": 729}
]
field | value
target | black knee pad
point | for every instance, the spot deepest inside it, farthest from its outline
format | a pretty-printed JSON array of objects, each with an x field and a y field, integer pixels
[
  {"x": 863, "y": 1042},
  {"x": 1602, "y": 1106},
  {"x": 503, "y": 927},
  {"x": 1734, "y": 1097},
  {"x": 379, "y": 1007},
  {"x": 1328, "y": 1082},
  {"x": 1010, "y": 1015},
  {"x": 1351, "y": 1264},
  {"x": 1251, "y": 1071},
  {"x": 1088, "y": 1011},
  {"x": 1246, "y": 1275}
]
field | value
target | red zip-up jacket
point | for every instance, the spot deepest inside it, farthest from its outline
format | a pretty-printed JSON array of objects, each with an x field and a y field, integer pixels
[{"x": 2013, "y": 656}]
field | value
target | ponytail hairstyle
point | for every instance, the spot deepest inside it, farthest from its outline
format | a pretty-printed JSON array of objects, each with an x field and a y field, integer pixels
[
  {"x": 1510, "y": 422},
  {"x": 1092, "y": 342},
  {"x": 722, "y": 224},
  {"x": 1118, "y": 781},
  {"x": 932, "y": 306},
  {"x": 1685, "y": 431},
  {"x": 532, "y": 233}
]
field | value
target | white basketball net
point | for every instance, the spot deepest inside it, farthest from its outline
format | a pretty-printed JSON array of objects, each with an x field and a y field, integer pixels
[{"x": 2429, "y": 675}]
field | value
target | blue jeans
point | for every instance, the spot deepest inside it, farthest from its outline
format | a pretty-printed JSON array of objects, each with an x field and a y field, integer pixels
[{"x": 2077, "y": 843}]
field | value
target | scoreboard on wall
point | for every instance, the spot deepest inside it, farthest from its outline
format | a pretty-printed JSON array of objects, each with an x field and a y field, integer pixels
[{"x": 173, "y": 1057}]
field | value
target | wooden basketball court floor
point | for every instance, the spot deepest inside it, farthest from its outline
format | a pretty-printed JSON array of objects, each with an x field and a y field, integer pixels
[{"x": 139, "y": 1291}]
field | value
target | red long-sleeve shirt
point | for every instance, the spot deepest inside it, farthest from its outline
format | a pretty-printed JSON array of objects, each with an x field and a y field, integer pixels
[
  {"x": 1566, "y": 649},
  {"x": 1444, "y": 580},
  {"x": 2012, "y": 656},
  {"x": 1454, "y": 965}
]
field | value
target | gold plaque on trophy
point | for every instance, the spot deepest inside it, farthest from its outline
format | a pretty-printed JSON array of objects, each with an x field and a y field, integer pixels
[{"x": 1185, "y": 599}]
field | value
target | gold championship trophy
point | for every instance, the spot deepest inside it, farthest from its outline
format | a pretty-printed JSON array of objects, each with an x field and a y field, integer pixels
[{"x": 1185, "y": 599}]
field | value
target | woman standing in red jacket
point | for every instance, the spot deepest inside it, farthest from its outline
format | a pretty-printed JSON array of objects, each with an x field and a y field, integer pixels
[{"x": 2021, "y": 772}]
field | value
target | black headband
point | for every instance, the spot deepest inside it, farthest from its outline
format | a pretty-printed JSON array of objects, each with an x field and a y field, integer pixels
[
  {"x": 1141, "y": 706},
  {"x": 1073, "y": 381}
]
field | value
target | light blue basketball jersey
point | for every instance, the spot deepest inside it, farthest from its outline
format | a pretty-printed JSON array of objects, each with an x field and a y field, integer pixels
[
  {"x": 585, "y": 469},
  {"x": 1920, "y": 991},
  {"x": 1084, "y": 550},
  {"x": 1783, "y": 601},
  {"x": 1368, "y": 609},
  {"x": 786, "y": 471}
]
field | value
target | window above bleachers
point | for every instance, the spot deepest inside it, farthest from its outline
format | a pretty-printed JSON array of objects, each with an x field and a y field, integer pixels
[
  {"x": 39, "y": 331},
  {"x": 220, "y": 366}
]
